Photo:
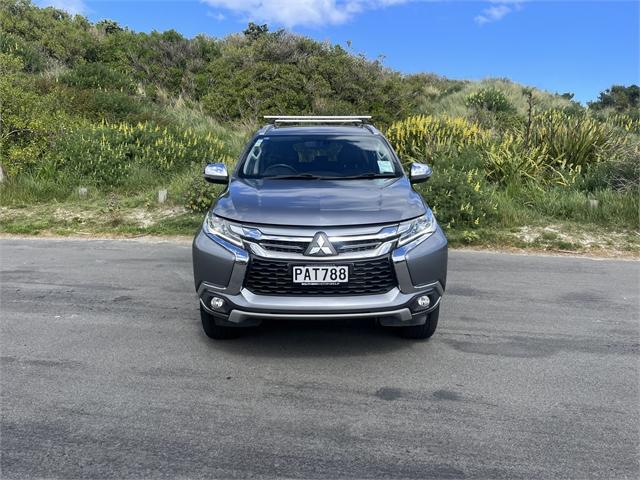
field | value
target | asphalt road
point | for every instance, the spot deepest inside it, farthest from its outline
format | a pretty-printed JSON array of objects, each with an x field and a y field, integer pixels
[{"x": 534, "y": 372}]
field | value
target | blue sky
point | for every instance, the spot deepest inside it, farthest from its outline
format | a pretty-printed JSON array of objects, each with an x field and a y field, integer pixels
[{"x": 571, "y": 46}]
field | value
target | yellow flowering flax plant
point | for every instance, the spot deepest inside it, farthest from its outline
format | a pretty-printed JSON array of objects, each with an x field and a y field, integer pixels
[
  {"x": 105, "y": 153},
  {"x": 423, "y": 137},
  {"x": 573, "y": 140}
]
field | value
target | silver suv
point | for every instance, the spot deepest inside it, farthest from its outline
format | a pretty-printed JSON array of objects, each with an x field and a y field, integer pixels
[{"x": 319, "y": 221}]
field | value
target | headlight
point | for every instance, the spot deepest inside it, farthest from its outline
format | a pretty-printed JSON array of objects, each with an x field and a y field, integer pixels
[
  {"x": 419, "y": 227},
  {"x": 219, "y": 227}
]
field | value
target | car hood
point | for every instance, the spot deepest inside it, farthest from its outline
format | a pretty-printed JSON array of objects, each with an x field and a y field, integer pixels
[{"x": 319, "y": 202}]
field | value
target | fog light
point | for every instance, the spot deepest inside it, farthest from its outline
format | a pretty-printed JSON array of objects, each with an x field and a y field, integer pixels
[
  {"x": 216, "y": 303},
  {"x": 424, "y": 301}
]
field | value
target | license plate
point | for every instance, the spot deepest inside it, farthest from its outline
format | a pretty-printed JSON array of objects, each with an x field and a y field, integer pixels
[{"x": 320, "y": 274}]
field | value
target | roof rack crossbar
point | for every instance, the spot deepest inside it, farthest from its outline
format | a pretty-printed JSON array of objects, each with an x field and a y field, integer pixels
[{"x": 276, "y": 119}]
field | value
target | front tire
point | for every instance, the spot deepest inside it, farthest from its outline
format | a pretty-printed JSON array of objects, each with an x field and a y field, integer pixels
[
  {"x": 422, "y": 332},
  {"x": 214, "y": 331}
]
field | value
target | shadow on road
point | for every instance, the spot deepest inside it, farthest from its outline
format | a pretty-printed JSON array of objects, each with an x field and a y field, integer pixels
[{"x": 293, "y": 339}]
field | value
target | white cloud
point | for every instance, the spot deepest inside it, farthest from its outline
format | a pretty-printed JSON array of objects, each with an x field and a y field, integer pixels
[
  {"x": 216, "y": 16},
  {"x": 290, "y": 13},
  {"x": 492, "y": 14},
  {"x": 498, "y": 11},
  {"x": 73, "y": 7}
]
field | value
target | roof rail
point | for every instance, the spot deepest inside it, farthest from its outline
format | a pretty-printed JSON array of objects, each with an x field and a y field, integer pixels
[
  {"x": 317, "y": 119},
  {"x": 265, "y": 129}
]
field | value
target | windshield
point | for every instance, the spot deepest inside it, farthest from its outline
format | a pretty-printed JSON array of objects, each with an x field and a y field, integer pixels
[{"x": 314, "y": 156}]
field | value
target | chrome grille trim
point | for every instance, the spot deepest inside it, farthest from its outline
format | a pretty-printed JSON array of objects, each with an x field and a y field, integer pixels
[
  {"x": 259, "y": 251},
  {"x": 383, "y": 234},
  {"x": 307, "y": 233},
  {"x": 290, "y": 243}
]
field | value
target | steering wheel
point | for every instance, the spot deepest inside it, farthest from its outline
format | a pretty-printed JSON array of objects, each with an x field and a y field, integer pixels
[{"x": 280, "y": 165}]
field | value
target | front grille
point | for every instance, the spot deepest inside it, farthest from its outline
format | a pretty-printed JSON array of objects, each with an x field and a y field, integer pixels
[
  {"x": 350, "y": 246},
  {"x": 280, "y": 246},
  {"x": 358, "y": 246},
  {"x": 366, "y": 277}
]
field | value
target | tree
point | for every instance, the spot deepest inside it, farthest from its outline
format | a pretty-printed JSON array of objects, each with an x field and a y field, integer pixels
[
  {"x": 254, "y": 31},
  {"x": 109, "y": 26},
  {"x": 619, "y": 98}
]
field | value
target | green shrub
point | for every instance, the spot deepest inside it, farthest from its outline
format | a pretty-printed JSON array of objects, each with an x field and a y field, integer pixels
[
  {"x": 98, "y": 105},
  {"x": 32, "y": 57},
  {"x": 198, "y": 195},
  {"x": 29, "y": 119},
  {"x": 458, "y": 192},
  {"x": 491, "y": 109},
  {"x": 98, "y": 154},
  {"x": 97, "y": 75},
  {"x": 105, "y": 153},
  {"x": 490, "y": 99},
  {"x": 620, "y": 173}
]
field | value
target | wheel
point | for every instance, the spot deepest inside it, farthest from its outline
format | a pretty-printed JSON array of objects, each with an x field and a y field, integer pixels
[
  {"x": 420, "y": 332},
  {"x": 216, "y": 331}
]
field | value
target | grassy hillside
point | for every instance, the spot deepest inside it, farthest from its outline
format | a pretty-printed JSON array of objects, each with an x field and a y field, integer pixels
[{"x": 123, "y": 114}]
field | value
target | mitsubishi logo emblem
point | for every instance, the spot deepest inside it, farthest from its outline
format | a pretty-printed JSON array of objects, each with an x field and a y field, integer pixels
[{"x": 320, "y": 246}]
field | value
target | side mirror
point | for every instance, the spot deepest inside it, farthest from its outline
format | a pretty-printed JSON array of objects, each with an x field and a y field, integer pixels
[
  {"x": 216, "y": 173},
  {"x": 420, "y": 172}
]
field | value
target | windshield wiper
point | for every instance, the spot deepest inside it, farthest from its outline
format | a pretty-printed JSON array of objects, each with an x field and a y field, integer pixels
[
  {"x": 298, "y": 176},
  {"x": 367, "y": 175},
  {"x": 310, "y": 176}
]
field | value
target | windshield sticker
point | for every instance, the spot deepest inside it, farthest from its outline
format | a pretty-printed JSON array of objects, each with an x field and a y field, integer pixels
[{"x": 385, "y": 166}]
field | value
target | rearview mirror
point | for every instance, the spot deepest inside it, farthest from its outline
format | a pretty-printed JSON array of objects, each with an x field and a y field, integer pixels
[
  {"x": 216, "y": 173},
  {"x": 420, "y": 172}
]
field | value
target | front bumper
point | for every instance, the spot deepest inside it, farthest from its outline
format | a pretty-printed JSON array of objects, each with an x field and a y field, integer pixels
[{"x": 220, "y": 268}]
